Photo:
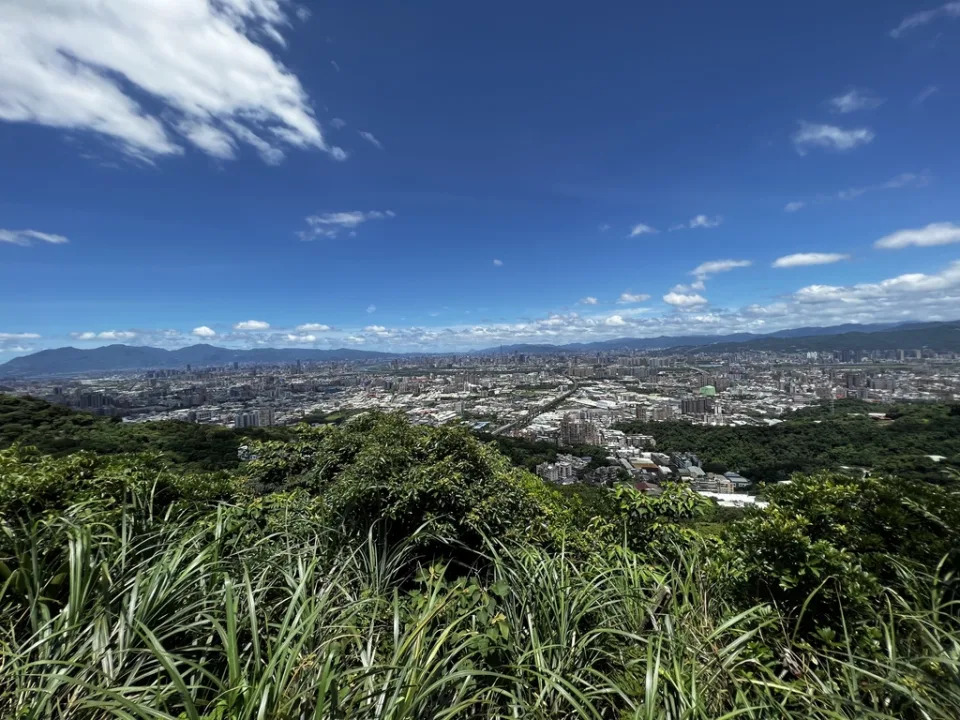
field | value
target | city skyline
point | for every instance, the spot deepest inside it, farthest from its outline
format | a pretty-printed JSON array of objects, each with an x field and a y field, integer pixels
[{"x": 432, "y": 178}]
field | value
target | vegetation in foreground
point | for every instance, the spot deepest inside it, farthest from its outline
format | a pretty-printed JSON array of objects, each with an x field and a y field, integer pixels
[{"x": 379, "y": 570}]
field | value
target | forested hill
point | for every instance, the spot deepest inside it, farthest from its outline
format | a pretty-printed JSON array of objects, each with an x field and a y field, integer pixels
[{"x": 818, "y": 439}]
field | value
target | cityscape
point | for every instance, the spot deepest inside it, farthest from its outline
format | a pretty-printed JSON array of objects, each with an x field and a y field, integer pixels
[{"x": 567, "y": 400}]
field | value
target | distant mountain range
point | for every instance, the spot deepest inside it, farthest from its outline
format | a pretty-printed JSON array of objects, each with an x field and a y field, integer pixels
[
  {"x": 942, "y": 336},
  {"x": 115, "y": 358}
]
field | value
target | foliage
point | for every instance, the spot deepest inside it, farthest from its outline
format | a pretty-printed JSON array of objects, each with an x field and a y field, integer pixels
[
  {"x": 58, "y": 431},
  {"x": 380, "y": 469},
  {"x": 817, "y": 440},
  {"x": 841, "y": 539}
]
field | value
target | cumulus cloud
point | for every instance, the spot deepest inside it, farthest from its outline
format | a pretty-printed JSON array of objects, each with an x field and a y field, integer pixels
[
  {"x": 615, "y": 321},
  {"x": 104, "y": 335},
  {"x": 918, "y": 19},
  {"x": 375, "y": 329},
  {"x": 371, "y": 138},
  {"x": 944, "y": 233},
  {"x": 641, "y": 229},
  {"x": 589, "y": 300},
  {"x": 791, "y": 207},
  {"x": 830, "y": 137},
  {"x": 684, "y": 300},
  {"x": 890, "y": 290},
  {"x": 330, "y": 225},
  {"x": 628, "y": 298},
  {"x": 810, "y": 258},
  {"x": 155, "y": 75},
  {"x": 304, "y": 338},
  {"x": 497, "y": 263},
  {"x": 204, "y": 332},
  {"x": 252, "y": 325},
  {"x": 854, "y": 100},
  {"x": 27, "y": 237},
  {"x": 313, "y": 327}
]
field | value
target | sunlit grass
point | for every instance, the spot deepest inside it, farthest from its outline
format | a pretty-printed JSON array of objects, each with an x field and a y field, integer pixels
[{"x": 117, "y": 613}]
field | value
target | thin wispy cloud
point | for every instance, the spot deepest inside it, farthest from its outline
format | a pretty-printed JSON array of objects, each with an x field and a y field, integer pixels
[
  {"x": 703, "y": 221},
  {"x": 338, "y": 123},
  {"x": 642, "y": 229},
  {"x": 703, "y": 271},
  {"x": 497, "y": 262},
  {"x": 330, "y": 225},
  {"x": 925, "y": 95},
  {"x": 903, "y": 180},
  {"x": 810, "y": 258},
  {"x": 152, "y": 78},
  {"x": 371, "y": 138},
  {"x": 335, "y": 65},
  {"x": 944, "y": 233},
  {"x": 25, "y": 238},
  {"x": 918, "y": 19},
  {"x": 371, "y": 309},
  {"x": 603, "y": 228},
  {"x": 589, "y": 300},
  {"x": 854, "y": 100},
  {"x": 829, "y": 137},
  {"x": 792, "y": 207}
]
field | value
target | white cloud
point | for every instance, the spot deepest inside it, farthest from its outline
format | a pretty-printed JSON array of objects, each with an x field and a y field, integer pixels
[
  {"x": 204, "y": 332},
  {"x": 793, "y": 206},
  {"x": 371, "y": 308},
  {"x": 589, "y": 300},
  {"x": 371, "y": 138},
  {"x": 497, "y": 263},
  {"x": 615, "y": 321},
  {"x": 925, "y": 95},
  {"x": 6, "y": 336},
  {"x": 892, "y": 290},
  {"x": 712, "y": 267},
  {"x": 301, "y": 338},
  {"x": 830, "y": 137},
  {"x": 338, "y": 123},
  {"x": 252, "y": 325},
  {"x": 628, "y": 298},
  {"x": 604, "y": 227},
  {"x": 105, "y": 335},
  {"x": 951, "y": 9},
  {"x": 375, "y": 328},
  {"x": 944, "y": 233},
  {"x": 26, "y": 237},
  {"x": 330, "y": 225},
  {"x": 313, "y": 327},
  {"x": 684, "y": 300},
  {"x": 641, "y": 229},
  {"x": 702, "y": 221},
  {"x": 151, "y": 75},
  {"x": 810, "y": 258},
  {"x": 854, "y": 100}
]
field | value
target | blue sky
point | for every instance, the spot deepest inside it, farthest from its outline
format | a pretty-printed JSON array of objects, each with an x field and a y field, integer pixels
[{"x": 437, "y": 175}]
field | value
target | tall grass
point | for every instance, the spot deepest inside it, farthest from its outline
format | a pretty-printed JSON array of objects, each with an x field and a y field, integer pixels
[{"x": 119, "y": 613}]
